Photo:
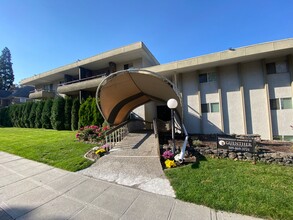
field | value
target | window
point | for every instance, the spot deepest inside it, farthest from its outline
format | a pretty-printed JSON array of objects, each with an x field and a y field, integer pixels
[
  {"x": 281, "y": 103},
  {"x": 286, "y": 103},
  {"x": 205, "y": 108},
  {"x": 210, "y": 107},
  {"x": 48, "y": 87},
  {"x": 277, "y": 67},
  {"x": 275, "y": 105},
  {"x": 215, "y": 107},
  {"x": 203, "y": 78},
  {"x": 207, "y": 77},
  {"x": 128, "y": 66}
]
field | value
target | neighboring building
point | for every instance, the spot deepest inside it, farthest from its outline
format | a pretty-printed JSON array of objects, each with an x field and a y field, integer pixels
[
  {"x": 15, "y": 95},
  {"x": 245, "y": 90}
]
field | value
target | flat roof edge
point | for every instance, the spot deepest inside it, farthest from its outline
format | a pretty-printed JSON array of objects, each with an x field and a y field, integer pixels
[
  {"x": 250, "y": 50},
  {"x": 103, "y": 55}
]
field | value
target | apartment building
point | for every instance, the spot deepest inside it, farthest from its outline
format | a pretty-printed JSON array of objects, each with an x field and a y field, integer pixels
[{"x": 245, "y": 90}]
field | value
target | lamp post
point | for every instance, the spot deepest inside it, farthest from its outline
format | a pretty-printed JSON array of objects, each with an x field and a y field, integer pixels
[{"x": 172, "y": 104}]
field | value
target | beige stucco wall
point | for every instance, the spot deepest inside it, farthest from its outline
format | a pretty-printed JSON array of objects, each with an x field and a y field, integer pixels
[
  {"x": 231, "y": 100},
  {"x": 256, "y": 105},
  {"x": 190, "y": 99},
  {"x": 211, "y": 122},
  {"x": 279, "y": 87}
]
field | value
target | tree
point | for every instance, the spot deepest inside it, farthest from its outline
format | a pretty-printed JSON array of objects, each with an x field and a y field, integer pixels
[
  {"x": 32, "y": 115},
  {"x": 46, "y": 114},
  {"x": 26, "y": 113},
  {"x": 67, "y": 111},
  {"x": 97, "y": 116},
  {"x": 74, "y": 114},
  {"x": 39, "y": 110},
  {"x": 57, "y": 114},
  {"x": 6, "y": 71}
]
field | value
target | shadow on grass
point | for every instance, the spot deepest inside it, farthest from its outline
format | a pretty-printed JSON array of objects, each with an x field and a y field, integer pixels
[{"x": 199, "y": 158}]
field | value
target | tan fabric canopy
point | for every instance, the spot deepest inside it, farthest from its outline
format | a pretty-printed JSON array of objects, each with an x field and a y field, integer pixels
[{"x": 121, "y": 92}]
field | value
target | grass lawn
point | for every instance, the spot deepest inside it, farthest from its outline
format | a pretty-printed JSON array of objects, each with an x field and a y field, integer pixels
[
  {"x": 56, "y": 148},
  {"x": 240, "y": 187}
]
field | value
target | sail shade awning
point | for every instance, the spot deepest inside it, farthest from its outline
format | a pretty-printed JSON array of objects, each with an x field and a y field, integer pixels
[{"x": 123, "y": 91}]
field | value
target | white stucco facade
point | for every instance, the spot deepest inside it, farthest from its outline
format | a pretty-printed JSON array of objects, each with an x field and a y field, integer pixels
[{"x": 246, "y": 90}]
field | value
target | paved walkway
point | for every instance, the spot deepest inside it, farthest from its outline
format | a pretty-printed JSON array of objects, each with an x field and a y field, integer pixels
[
  {"x": 34, "y": 191},
  {"x": 134, "y": 162}
]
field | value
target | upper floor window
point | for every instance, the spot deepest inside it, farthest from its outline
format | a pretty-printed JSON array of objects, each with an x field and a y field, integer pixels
[
  {"x": 207, "y": 77},
  {"x": 48, "y": 87},
  {"x": 277, "y": 67},
  {"x": 128, "y": 66},
  {"x": 281, "y": 103}
]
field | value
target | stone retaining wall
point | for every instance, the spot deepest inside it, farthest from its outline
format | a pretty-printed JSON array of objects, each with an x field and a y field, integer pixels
[{"x": 280, "y": 158}]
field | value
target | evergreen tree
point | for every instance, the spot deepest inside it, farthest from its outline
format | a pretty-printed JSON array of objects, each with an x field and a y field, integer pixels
[
  {"x": 67, "y": 111},
  {"x": 32, "y": 115},
  {"x": 85, "y": 114},
  {"x": 20, "y": 119},
  {"x": 6, "y": 71},
  {"x": 74, "y": 114},
  {"x": 97, "y": 117},
  {"x": 26, "y": 114},
  {"x": 46, "y": 114},
  {"x": 39, "y": 110},
  {"x": 57, "y": 114}
]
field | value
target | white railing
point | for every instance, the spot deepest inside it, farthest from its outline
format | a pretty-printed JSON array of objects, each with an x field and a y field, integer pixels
[{"x": 116, "y": 134}]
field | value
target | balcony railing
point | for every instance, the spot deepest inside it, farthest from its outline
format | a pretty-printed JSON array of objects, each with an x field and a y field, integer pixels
[
  {"x": 81, "y": 80},
  {"x": 41, "y": 94}
]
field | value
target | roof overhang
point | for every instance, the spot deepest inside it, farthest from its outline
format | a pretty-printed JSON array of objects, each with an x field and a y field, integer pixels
[
  {"x": 120, "y": 55},
  {"x": 123, "y": 91},
  {"x": 238, "y": 55}
]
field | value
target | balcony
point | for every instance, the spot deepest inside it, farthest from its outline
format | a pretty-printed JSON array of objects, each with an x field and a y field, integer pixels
[
  {"x": 90, "y": 83},
  {"x": 42, "y": 94}
]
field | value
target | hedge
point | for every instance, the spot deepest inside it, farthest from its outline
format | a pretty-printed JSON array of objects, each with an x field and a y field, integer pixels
[{"x": 59, "y": 114}]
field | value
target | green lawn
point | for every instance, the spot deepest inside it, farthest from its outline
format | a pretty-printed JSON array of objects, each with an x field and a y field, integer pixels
[
  {"x": 56, "y": 148},
  {"x": 240, "y": 187}
]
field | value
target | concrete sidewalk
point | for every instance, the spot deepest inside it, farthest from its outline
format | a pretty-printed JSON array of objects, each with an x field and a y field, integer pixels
[{"x": 32, "y": 190}]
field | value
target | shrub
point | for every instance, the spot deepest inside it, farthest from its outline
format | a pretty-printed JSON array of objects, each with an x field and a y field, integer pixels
[
  {"x": 57, "y": 114},
  {"x": 32, "y": 115},
  {"x": 89, "y": 113},
  {"x": 74, "y": 114},
  {"x": 97, "y": 116},
  {"x": 26, "y": 114},
  {"x": 92, "y": 133},
  {"x": 46, "y": 114},
  {"x": 39, "y": 110},
  {"x": 5, "y": 119},
  {"x": 67, "y": 112}
]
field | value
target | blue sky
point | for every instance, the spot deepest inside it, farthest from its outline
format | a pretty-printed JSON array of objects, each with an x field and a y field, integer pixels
[{"x": 46, "y": 34}]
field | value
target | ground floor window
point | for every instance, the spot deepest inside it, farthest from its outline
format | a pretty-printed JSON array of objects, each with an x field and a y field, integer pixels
[
  {"x": 281, "y": 103},
  {"x": 210, "y": 107}
]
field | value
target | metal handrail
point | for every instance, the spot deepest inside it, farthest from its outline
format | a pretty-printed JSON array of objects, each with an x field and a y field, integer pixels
[{"x": 116, "y": 134}]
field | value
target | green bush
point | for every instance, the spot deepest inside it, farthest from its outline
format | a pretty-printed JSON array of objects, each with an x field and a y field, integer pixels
[
  {"x": 26, "y": 114},
  {"x": 97, "y": 117},
  {"x": 20, "y": 116},
  {"x": 39, "y": 110},
  {"x": 32, "y": 115},
  {"x": 89, "y": 113},
  {"x": 67, "y": 112},
  {"x": 57, "y": 114},
  {"x": 5, "y": 119},
  {"x": 46, "y": 114},
  {"x": 74, "y": 114}
]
